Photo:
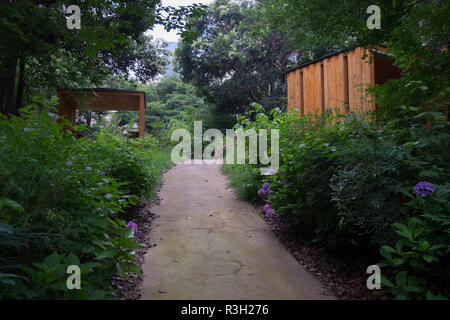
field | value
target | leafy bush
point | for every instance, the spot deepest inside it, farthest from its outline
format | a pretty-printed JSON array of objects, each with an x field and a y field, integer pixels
[
  {"x": 414, "y": 263},
  {"x": 61, "y": 200},
  {"x": 345, "y": 180}
]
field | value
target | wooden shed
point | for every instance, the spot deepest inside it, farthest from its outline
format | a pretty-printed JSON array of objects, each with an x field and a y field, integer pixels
[
  {"x": 101, "y": 99},
  {"x": 338, "y": 81}
]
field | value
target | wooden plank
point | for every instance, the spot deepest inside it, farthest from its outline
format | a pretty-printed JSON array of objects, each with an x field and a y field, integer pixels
[
  {"x": 290, "y": 92},
  {"x": 314, "y": 88},
  {"x": 317, "y": 88},
  {"x": 107, "y": 102},
  {"x": 336, "y": 80},
  {"x": 325, "y": 82},
  {"x": 302, "y": 94},
  {"x": 99, "y": 92},
  {"x": 351, "y": 80},
  {"x": 365, "y": 79},
  {"x": 358, "y": 80},
  {"x": 307, "y": 89},
  {"x": 344, "y": 86},
  {"x": 297, "y": 90},
  {"x": 141, "y": 117},
  {"x": 321, "y": 68},
  {"x": 334, "y": 92}
]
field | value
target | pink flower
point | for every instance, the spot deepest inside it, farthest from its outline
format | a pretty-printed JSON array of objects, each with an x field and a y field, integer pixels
[{"x": 266, "y": 207}]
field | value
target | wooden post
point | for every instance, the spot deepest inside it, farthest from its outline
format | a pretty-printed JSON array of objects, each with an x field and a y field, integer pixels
[
  {"x": 66, "y": 109},
  {"x": 141, "y": 116}
]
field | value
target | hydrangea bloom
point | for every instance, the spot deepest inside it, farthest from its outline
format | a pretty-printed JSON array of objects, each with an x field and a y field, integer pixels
[
  {"x": 266, "y": 186},
  {"x": 261, "y": 193},
  {"x": 266, "y": 207},
  {"x": 270, "y": 192},
  {"x": 270, "y": 213},
  {"x": 68, "y": 163},
  {"x": 133, "y": 225},
  {"x": 424, "y": 189}
]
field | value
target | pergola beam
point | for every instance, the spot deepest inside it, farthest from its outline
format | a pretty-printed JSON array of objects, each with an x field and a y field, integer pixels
[{"x": 101, "y": 99}]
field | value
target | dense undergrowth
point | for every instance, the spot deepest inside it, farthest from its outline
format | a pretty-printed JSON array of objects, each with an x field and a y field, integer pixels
[
  {"x": 348, "y": 181},
  {"x": 61, "y": 201}
]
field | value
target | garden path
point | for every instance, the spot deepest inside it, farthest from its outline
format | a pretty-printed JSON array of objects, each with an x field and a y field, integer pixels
[{"x": 210, "y": 245}]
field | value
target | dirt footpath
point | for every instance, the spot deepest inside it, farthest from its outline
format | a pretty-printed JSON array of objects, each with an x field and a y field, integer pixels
[{"x": 210, "y": 245}]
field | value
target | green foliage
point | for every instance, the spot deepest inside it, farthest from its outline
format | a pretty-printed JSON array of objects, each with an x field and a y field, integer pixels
[
  {"x": 237, "y": 60},
  {"x": 245, "y": 179},
  {"x": 171, "y": 104},
  {"x": 417, "y": 273},
  {"x": 111, "y": 40},
  {"x": 65, "y": 196},
  {"x": 343, "y": 181}
]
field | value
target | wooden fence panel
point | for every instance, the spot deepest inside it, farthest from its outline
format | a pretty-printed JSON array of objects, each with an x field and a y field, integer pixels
[{"x": 336, "y": 82}]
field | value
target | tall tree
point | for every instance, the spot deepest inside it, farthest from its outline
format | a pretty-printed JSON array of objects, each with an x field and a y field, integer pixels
[
  {"x": 110, "y": 39},
  {"x": 237, "y": 59}
]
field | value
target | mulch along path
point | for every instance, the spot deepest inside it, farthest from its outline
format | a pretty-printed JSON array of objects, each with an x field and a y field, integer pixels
[
  {"x": 130, "y": 288},
  {"x": 343, "y": 274}
]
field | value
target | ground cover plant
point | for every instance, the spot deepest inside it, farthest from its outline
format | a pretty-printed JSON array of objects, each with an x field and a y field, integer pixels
[{"x": 61, "y": 204}]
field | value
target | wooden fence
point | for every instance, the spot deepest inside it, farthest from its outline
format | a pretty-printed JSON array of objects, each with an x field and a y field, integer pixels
[{"x": 339, "y": 81}]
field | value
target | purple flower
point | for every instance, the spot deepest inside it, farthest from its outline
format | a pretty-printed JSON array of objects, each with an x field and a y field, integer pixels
[
  {"x": 266, "y": 207},
  {"x": 270, "y": 213},
  {"x": 265, "y": 186},
  {"x": 270, "y": 192},
  {"x": 133, "y": 225},
  {"x": 424, "y": 189},
  {"x": 261, "y": 193},
  {"x": 69, "y": 163}
]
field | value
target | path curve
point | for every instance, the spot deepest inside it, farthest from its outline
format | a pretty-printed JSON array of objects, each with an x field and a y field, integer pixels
[{"x": 210, "y": 245}]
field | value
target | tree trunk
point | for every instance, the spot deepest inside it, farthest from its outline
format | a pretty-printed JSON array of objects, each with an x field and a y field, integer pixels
[{"x": 7, "y": 84}]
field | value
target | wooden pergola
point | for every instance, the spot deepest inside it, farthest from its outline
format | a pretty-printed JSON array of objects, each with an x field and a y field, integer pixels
[{"x": 101, "y": 99}]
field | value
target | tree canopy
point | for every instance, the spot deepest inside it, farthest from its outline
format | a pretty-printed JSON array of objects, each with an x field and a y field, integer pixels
[{"x": 237, "y": 59}]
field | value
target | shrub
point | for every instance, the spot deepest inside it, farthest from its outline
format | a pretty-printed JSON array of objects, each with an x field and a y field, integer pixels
[
  {"x": 345, "y": 180},
  {"x": 60, "y": 202},
  {"x": 416, "y": 267}
]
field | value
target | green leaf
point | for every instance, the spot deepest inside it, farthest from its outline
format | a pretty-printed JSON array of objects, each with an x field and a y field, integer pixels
[
  {"x": 52, "y": 260},
  {"x": 386, "y": 251},
  {"x": 400, "y": 279},
  {"x": 428, "y": 258},
  {"x": 106, "y": 254},
  {"x": 4, "y": 202},
  {"x": 385, "y": 281},
  {"x": 72, "y": 259},
  {"x": 397, "y": 261},
  {"x": 425, "y": 245},
  {"x": 431, "y": 296}
]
